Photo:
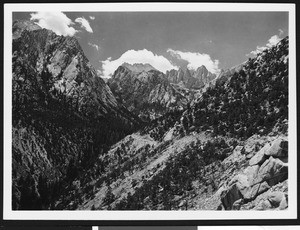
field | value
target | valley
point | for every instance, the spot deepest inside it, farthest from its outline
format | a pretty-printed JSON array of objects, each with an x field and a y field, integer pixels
[{"x": 146, "y": 140}]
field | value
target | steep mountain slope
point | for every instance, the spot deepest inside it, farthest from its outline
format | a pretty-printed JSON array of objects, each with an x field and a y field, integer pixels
[
  {"x": 252, "y": 100},
  {"x": 147, "y": 93},
  {"x": 60, "y": 109},
  {"x": 229, "y": 150}
]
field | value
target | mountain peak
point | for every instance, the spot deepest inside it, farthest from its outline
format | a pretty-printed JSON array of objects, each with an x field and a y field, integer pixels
[
  {"x": 138, "y": 67},
  {"x": 202, "y": 67},
  {"x": 190, "y": 78}
]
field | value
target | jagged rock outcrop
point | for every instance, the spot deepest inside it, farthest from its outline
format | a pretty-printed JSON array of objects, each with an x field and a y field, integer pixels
[
  {"x": 203, "y": 76},
  {"x": 191, "y": 79},
  {"x": 264, "y": 172}
]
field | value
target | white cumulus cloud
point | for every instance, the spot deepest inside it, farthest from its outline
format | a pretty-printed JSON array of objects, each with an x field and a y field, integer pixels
[
  {"x": 92, "y": 17},
  {"x": 195, "y": 60},
  {"x": 137, "y": 56},
  {"x": 84, "y": 24},
  {"x": 57, "y": 21},
  {"x": 94, "y": 45},
  {"x": 271, "y": 42}
]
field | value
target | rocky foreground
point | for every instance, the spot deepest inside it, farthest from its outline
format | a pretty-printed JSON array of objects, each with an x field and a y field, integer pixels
[
  {"x": 241, "y": 175},
  {"x": 257, "y": 185}
]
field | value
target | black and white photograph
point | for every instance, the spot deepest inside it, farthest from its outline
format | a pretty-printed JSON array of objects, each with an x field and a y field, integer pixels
[{"x": 150, "y": 111}]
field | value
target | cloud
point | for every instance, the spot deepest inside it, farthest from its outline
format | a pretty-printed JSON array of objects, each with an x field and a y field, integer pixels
[
  {"x": 57, "y": 21},
  {"x": 271, "y": 42},
  {"x": 137, "y": 56},
  {"x": 92, "y": 17},
  {"x": 84, "y": 24},
  {"x": 195, "y": 60},
  {"x": 94, "y": 45}
]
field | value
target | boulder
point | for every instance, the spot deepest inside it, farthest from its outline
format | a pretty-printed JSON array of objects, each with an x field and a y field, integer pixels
[
  {"x": 256, "y": 190},
  {"x": 264, "y": 186},
  {"x": 279, "y": 148},
  {"x": 251, "y": 173},
  {"x": 260, "y": 156},
  {"x": 284, "y": 203},
  {"x": 249, "y": 148},
  {"x": 275, "y": 198},
  {"x": 239, "y": 187},
  {"x": 256, "y": 178},
  {"x": 273, "y": 170},
  {"x": 249, "y": 155},
  {"x": 264, "y": 205},
  {"x": 228, "y": 197},
  {"x": 237, "y": 204}
]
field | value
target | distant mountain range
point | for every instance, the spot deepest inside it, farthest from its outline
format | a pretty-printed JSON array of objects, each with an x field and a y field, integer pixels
[{"x": 149, "y": 93}]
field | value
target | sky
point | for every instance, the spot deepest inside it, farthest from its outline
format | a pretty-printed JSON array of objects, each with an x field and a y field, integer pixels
[{"x": 166, "y": 40}]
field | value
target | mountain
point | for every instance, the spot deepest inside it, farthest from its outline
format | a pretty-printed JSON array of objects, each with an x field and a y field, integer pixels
[
  {"x": 60, "y": 109},
  {"x": 139, "y": 67},
  {"x": 203, "y": 76},
  {"x": 191, "y": 79},
  {"x": 147, "y": 93},
  {"x": 227, "y": 151}
]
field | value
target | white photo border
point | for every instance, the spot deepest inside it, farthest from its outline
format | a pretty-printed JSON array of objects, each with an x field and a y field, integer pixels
[{"x": 9, "y": 214}]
